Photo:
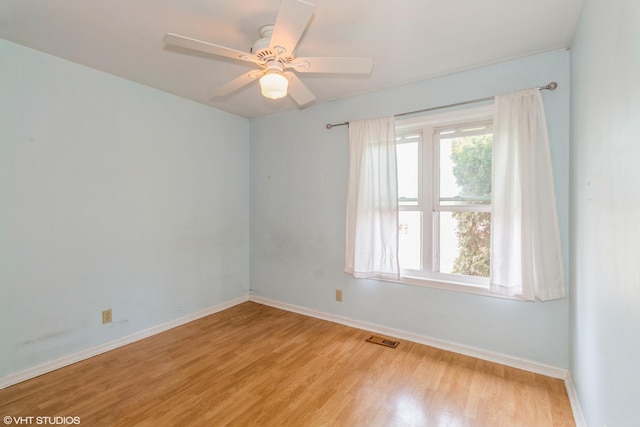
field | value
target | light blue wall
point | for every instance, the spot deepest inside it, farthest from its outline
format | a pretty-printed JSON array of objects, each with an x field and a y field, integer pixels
[
  {"x": 112, "y": 195},
  {"x": 298, "y": 196},
  {"x": 605, "y": 214}
]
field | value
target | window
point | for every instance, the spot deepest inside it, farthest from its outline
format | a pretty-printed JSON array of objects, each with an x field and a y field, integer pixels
[{"x": 444, "y": 191}]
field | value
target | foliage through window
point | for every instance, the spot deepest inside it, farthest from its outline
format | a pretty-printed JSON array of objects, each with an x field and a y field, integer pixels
[{"x": 444, "y": 189}]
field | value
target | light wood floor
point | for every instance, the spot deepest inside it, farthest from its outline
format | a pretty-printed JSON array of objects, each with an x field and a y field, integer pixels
[{"x": 254, "y": 365}]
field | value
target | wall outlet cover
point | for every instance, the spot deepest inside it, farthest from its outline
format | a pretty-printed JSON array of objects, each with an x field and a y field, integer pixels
[{"x": 107, "y": 316}]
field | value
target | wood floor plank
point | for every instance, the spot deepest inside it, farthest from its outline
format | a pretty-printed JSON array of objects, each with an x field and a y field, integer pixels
[{"x": 253, "y": 365}]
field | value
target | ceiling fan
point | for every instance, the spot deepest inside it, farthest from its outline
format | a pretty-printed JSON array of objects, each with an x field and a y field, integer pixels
[{"x": 274, "y": 54}]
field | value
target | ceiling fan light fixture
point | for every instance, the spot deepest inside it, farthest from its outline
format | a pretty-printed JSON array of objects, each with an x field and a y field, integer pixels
[
  {"x": 273, "y": 52},
  {"x": 274, "y": 85}
]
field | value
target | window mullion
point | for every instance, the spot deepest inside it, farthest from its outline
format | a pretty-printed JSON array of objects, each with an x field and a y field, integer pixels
[{"x": 427, "y": 193}]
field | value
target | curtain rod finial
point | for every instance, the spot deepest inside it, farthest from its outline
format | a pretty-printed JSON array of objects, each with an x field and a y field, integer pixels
[
  {"x": 552, "y": 86},
  {"x": 329, "y": 125}
]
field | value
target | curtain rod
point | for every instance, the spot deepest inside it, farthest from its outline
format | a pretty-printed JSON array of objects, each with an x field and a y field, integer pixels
[{"x": 550, "y": 86}]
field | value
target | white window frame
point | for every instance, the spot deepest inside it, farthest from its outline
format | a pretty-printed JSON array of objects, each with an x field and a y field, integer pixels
[{"x": 427, "y": 199}]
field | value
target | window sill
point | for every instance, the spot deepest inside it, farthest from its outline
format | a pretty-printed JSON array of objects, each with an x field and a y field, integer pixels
[{"x": 449, "y": 286}]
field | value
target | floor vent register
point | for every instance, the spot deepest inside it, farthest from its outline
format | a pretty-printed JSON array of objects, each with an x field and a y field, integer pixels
[{"x": 383, "y": 341}]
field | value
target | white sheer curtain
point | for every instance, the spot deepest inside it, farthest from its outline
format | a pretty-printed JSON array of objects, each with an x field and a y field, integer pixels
[
  {"x": 372, "y": 200},
  {"x": 526, "y": 260}
]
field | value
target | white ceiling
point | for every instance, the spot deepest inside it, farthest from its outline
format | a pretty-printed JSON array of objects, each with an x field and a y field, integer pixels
[{"x": 409, "y": 40}]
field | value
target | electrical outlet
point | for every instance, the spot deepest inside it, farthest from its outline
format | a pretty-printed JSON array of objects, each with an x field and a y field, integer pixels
[
  {"x": 107, "y": 316},
  {"x": 339, "y": 295}
]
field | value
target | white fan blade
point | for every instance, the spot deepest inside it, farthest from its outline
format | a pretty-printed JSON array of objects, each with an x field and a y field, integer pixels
[
  {"x": 236, "y": 83},
  {"x": 214, "y": 49},
  {"x": 298, "y": 91},
  {"x": 332, "y": 65},
  {"x": 292, "y": 19}
]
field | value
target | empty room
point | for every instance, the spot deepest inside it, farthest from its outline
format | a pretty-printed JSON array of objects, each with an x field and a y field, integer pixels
[{"x": 319, "y": 213}]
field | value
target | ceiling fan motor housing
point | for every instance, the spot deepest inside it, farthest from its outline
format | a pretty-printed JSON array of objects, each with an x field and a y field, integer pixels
[{"x": 261, "y": 47}]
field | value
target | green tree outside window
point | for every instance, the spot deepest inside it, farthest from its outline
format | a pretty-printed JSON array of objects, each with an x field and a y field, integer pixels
[{"x": 471, "y": 157}]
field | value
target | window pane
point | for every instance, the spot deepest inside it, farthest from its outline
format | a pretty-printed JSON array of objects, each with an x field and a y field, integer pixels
[
  {"x": 464, "y": 243},
  {"x": 465, "y": 169},
  {"x": 410, "y": 239},
  {"x": 407, "y": 158}
]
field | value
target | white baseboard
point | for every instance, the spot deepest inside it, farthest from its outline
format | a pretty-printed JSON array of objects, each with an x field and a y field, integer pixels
[
  {"x": 502, "y": 359},
  {"x": 17, "y": 377},
  {"x": 575, "y": 402}
]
